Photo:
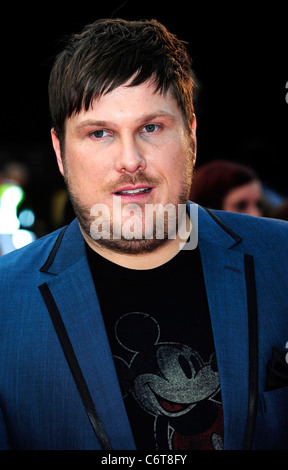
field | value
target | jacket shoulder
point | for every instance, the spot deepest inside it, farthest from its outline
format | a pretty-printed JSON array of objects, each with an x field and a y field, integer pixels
[
  {"x": 256, "y": 232},
  {"x": 30, "y": 256}
]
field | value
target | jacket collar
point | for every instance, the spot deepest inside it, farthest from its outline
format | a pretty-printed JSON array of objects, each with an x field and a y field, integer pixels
[
  {"x": 209, "y": 227},
  {"x": 64, "y": 255}
]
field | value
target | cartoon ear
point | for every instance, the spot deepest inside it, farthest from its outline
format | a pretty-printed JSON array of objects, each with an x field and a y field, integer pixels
[
  {"x": 137, "y": 331},
  {"x": 124, "y": 374},
  {"x": 213, "y": 362}
]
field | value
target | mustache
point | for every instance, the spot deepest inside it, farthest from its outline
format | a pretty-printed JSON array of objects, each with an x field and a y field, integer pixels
[{"x": 126, "y": 179}]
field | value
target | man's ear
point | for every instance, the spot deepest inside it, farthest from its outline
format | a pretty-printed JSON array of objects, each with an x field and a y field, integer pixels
[
  {"x": 57, "y": 150},
  {"x": 193, "y": 131}
]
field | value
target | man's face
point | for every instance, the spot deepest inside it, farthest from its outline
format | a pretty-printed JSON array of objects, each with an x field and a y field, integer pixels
[{"x": 131, "y": 147}]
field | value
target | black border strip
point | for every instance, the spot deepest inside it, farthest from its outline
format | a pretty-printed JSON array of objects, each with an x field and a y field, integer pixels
[
  {"x": 253, "y": 351},
  {"x": 75, "y": 368}
]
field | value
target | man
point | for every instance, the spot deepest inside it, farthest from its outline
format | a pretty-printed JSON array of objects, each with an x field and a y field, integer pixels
[{"x": 141, "y": 325}]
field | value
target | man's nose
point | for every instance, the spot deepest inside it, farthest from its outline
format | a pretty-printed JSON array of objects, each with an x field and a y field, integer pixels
[{"x": 131, "y": 157}]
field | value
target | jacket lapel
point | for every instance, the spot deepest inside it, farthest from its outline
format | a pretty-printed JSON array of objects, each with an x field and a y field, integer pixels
[
  {"x": 71, "y": 286},
  {"x": 224, "y": 274}
]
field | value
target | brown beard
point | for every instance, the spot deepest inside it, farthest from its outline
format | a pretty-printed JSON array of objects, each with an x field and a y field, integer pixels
[{"x": 133, "y": 246}]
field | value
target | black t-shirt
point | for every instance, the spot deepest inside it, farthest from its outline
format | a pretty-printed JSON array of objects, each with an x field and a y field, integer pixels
[{"x": 159, "y": 329}]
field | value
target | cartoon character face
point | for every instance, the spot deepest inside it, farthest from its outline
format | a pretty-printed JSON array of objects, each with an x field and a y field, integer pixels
[
  {"x": 167, "y": 379},
  {"x": 181, "y": 382}
]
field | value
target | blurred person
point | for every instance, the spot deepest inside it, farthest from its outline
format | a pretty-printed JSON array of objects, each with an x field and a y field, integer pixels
[
  {"x": 124, "y": 339},
  {"x": 16, "y": 172},
  {"x": 228, "y": 186},
  {"x": 280, "y": 211}
]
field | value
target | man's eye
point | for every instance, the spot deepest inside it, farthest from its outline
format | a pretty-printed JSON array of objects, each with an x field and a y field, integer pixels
[
  {"x": 150, "y": 128},
  {"x": 100, "y": 133}
]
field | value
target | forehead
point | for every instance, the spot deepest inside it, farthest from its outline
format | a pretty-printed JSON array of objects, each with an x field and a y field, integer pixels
[
  {"x": 248, "y": 191},
  {"x": 130, "y": 103}
]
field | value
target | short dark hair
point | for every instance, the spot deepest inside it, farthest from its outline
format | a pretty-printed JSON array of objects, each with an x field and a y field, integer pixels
[{"x": 109, "y": 52}]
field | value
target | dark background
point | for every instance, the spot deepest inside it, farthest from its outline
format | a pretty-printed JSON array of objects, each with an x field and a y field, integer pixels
[{"x": 239, "y": 53}]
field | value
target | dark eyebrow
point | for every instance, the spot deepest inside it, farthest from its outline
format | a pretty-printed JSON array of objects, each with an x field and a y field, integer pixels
[
  {"x": 94, "y": 123},
  {"x": 109, "y": 124},
  {"x": 152, "y": 116}
]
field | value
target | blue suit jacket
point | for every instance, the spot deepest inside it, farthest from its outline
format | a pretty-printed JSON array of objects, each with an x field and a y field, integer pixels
[{"x": 245, "y": 263}]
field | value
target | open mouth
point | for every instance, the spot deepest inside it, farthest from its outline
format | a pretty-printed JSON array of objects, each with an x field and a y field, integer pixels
[
  {"x": 170, "y": 406},
  {"x": 132, "y": 192}
]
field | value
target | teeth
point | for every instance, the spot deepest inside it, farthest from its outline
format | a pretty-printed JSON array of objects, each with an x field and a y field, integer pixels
[{"x": 135, "y": 191}]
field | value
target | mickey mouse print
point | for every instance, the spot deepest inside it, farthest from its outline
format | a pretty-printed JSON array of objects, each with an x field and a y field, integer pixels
[{"x": 171, "y": 384}]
